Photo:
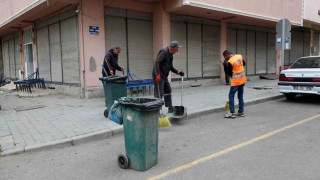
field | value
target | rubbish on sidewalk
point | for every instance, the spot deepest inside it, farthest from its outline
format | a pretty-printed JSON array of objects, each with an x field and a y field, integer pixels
[
  {"x": 114, "y": 88},
  {"x": 180, "y": 111},
  {"x": 140, "y": 124},
  {"x": 195, "y": 84},
  {"x": 262, "y": 87},
  {"x": 269, "y": 77},
  {"x": 163, "y": 119}
]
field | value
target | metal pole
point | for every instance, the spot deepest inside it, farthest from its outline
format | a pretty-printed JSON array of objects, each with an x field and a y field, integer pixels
[{"x": 283, "y": 43}]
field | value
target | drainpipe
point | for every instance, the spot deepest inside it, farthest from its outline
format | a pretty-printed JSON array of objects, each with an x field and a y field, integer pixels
[
  {"x": 21, "y": 54},
  {"x": 83, "y": 85}
]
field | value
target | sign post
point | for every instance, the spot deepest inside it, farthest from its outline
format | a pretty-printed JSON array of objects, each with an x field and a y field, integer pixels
[{"x": 283, "y": 38}]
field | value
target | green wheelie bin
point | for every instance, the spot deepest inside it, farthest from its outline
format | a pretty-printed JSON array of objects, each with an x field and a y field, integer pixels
[
  {"x": 114, "y": 88},
  {"x": 140, "y": 124}
]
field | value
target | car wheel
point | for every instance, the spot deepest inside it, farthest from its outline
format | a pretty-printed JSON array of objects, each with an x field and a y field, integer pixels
[{"x": 290, "y": 97}]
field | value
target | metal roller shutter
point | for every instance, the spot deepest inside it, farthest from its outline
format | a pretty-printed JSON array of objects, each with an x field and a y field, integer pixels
[
  {"x": 17, "y": 56},
  {"x": 271, "y": 53},
  {"x": 232, "y": 40},
  {"x": 251, "y": 53},
  {"x": 1, "y": 58},
  {"x": 6, "y": 59},
  {"x": 316, "y": 44},
  {"x": 12, "y": 59},
  {"x": 261, "y": 53},
  {"x": 43, "y": 54},
  {"x": 179, "y": 33},
  {"x": 296, "y": 46},
  {"x": 115, "y": 28},
  {"x": 211, "y": 51},
  {"x": 306, "y": 46},
  {"x": 55, "y": 52},
  {"x": 194, "y": 51},
  {"x": 241, "y": 43},
  {"x": 140, "y": 45},
  {"x": 70, "y": 50}
]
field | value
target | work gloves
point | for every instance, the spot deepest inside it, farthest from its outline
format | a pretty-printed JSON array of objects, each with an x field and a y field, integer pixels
[
  {"x": 158, "y": 79},
  {"x": 181, "y": 73}
]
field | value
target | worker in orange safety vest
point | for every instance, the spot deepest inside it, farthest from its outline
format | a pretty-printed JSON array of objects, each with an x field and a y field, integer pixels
[{"x": 238, "y": 79}]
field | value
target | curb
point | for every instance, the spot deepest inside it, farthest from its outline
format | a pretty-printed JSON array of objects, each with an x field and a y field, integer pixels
[{"x": 103, "y": 134}]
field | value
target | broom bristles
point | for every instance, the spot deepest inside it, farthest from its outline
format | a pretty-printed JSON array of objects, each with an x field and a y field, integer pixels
[
  {"x": 227, "y": 106},
  {"x": 164, "y": 122}
]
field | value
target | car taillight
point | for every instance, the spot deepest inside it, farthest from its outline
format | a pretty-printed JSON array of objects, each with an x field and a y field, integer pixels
[
  {"x": 285, "y": 79},
  {"x": 316, "y": 80}
]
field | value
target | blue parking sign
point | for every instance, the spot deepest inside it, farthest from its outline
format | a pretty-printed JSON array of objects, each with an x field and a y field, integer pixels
[{"x": 94, "y": 30}]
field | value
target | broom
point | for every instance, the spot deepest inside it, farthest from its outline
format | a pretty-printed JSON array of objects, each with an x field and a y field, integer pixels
[
  {"x": 163, "y": 119},
  {"x": 227, "y": 106}
]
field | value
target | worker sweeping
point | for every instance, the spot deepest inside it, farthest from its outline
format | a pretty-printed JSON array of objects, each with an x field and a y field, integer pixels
[
  {"x": 238, "y": 79},
  {"x": 162, "y": 67}
]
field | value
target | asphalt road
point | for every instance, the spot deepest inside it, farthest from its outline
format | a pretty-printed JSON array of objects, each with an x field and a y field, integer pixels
[{"x": 276, "y": 140}]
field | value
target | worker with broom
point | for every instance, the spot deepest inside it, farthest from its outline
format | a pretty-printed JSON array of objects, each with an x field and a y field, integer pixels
[
  {"x": 238, "y": 79},
  {"x": 162, "y": 67}
]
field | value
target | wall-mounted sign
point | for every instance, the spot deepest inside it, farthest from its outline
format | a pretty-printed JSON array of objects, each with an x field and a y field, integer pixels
[{"x": 94, "y": 30}]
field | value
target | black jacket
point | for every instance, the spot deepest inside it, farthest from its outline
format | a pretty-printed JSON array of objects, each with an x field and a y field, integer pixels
[
  {"x": 163, "y": 64},
  {"x": 112, "y": 59}
]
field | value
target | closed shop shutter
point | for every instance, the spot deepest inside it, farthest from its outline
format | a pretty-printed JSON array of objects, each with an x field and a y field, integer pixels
[
  {"x": 232, "y": 40},
  {"x": 70, "y": 50},
  {"x": 306, "y": 46},
  {"x": 116, "y": 37},
  {"x": 12, "y": 59},
  {"x": 179, "y": 33},
  {"x": 241, "y": 43},
  {"x": 296, "y": 46},
  {"x": 194, "y": 51},
  {"x": 261, "y": 53},
  {"x": 43, "y": 54},
  {"x": 211, "y": 51},
  {"x": 6, "y": 59},
  {"x": 140, "y": 45},
  {"x": 316, "y": 44},
  {"x": 1, "y": 58},
  {"x": 271, "y": 53},
  {"x": 251, "y": 53},
  {"x": 17, "y": 56},
  {"x": 55, "y": 52}
]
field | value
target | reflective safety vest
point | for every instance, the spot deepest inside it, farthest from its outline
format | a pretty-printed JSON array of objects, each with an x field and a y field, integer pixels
[{"x": 238, "y": 72}]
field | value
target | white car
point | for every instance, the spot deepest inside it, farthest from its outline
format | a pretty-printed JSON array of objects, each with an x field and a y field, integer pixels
[{"x": 303, "y": 77}]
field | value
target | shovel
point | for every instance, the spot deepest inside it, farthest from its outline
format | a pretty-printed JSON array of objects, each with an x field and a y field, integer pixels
[{"x": 180, "y": 111}]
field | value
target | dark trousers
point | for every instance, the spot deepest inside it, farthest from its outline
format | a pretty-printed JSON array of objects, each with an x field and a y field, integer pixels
[
  {"x": 165, "y": 90},
  {"x": 226, "y": 74},
  {"x": 233, "y": 90}
]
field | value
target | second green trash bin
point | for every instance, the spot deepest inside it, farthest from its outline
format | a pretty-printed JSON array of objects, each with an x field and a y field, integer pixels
[
  {"x": 114, "y": 88},
  {"x": 140, "y": 123}
]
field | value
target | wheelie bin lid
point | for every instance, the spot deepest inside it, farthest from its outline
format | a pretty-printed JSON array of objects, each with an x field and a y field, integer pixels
[
  {"x": 142, "y": 104},
  {"x": 114, "y": 78}
]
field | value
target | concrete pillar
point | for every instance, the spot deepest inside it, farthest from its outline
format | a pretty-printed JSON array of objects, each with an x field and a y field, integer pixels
[
  {"x": 92, "y": 46},
  {"x": 223, "y": 46},
  {"x": 278, "y": 62},
  {"x": 161, "y": 29}
]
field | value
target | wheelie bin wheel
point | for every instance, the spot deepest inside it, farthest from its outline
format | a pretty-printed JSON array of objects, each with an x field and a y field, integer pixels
[
  {"x": 123, "y": 161},
  {"x": 105, "y": 113}
]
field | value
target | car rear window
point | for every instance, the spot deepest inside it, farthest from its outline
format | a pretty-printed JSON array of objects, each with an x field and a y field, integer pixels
[{"x": 313, "y": 62}]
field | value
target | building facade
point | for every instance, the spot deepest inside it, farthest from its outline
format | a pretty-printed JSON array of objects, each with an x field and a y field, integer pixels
[{"x": 67, "y": 40}]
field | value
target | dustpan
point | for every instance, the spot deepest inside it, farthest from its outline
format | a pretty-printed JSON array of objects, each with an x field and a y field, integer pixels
[{"x": 180, "y": 111}]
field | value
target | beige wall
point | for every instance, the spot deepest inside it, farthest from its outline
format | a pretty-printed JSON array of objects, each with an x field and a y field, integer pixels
[
  {"x": 8, "y": 8},
  {"x": 265, "y": 9},
  {"x": 311, "y": 8}
]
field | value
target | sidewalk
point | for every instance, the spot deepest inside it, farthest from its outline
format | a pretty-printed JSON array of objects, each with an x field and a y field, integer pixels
[{"x": 35, "y": 123}]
